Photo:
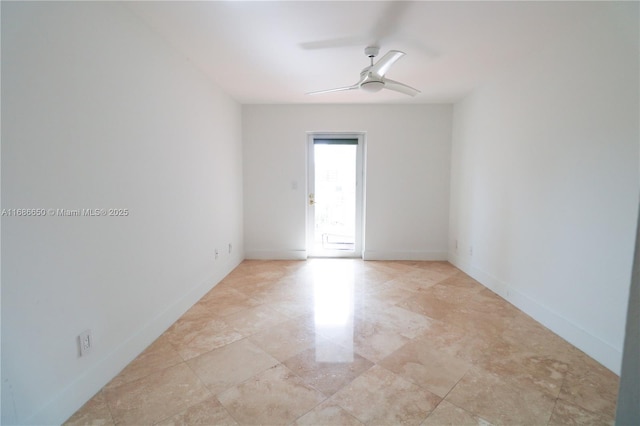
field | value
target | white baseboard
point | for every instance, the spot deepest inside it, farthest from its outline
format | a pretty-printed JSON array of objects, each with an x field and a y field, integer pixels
[
  {"x": 366, "y": 255},
  {"x": 404, "y": 255},
  {"x": 275, "y": 254},
  {"x": 70, "y": 399},
  {"x": 598, "y": 349}
]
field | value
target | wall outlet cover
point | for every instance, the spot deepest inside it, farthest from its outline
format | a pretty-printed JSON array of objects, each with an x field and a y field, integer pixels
[{"x": 85, "y": 339}]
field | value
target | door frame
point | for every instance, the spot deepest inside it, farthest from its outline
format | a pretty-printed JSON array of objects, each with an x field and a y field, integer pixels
[{"x": 360, "y": 194}]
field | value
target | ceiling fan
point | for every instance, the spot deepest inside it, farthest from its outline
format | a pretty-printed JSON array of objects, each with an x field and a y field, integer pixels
[{"x": 372, "y": 78}]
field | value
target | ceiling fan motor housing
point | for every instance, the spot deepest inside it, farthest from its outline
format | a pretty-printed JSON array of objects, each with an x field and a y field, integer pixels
[
  {"x": 371, "y": 51},
  {"x": 372, "y": 86},
  {"x": 372, "y": 78}
]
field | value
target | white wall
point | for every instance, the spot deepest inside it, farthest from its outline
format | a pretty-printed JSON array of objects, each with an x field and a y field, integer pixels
[
  {"x": 99, "y": 113},
  {"x": 545, "y": 182},
  {"x": 407, "y": 176},
  {"x": 628, "y": 408}
]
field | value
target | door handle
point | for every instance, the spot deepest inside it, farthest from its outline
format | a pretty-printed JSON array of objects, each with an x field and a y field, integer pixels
[{"x": 312, "y": 199}]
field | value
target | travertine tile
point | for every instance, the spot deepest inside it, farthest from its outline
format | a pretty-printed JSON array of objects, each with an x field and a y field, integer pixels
[
  {"x": 499, "y": 401},
  {"x": 379, "y": 396},
  {"x": 328, "y": 413},
  {"x": 205, "y": 413},
  {"x": 158, "y": 356},
  {"x": 432, "y": 271},
  {"x": 529, "y": 335},
  {"x": 527, "y": 332},
  {"x": 457, "y": 342},
  {"x": 377, "y": 273},
  {"x": 250, "y": 280},
  {"x": 156, "y": 396},
  {"x": 414, "y": 282},
  {"x": 273, "y": 292},
  {"x": 274, "y": 397},
  {"x": 387, "y": 293},
  {"x": 402, "y": 321},
  {"x": 225, "y": 367},
  {"x": 212, "y": 335},
  {"x": 485, "y": 325},
  {"x": 488, "y": 302},
  {"x": 253, "y": 320},
  {"x": 456, "y": 289},
  {"x": 429, "y": 304},
  {"x": 435, "y": 371},
  {"x": 292, "y": 307},
  {"x": 459, "y": 279},
  {"x": 375, "y": 341},
  {"x": 201, "y": 322},
  {"x": 94, "y": 412},
  {"x": 432, "y": 330},
  {"x": 480, "y": 313},
  {"x": 593, "y": 390},
  {"x": 226, "y": 301},
  {"x": 324, "y": 375},
  {"x": 447, "y": 414},
  {"x": 566, "y": 413},
  {"x": 198, "y": 331},
  {"x": 287, "y": 339},
  {"x": 528, "y": 368}
]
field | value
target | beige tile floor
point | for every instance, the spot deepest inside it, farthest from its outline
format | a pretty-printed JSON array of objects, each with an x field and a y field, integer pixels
[{"x": 348, "y": 342}]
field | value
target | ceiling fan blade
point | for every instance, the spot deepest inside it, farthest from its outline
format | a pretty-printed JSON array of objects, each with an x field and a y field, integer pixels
[
  {"x": 363, "y": 78},
  {"x": 384, "y": 64},
  {"x": 400, "y": 87},
  {"x": 339, "y": 89},
  {"x": 333, "y": 43}
]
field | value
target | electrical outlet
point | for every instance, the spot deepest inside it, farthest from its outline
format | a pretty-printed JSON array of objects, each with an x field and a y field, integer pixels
[{"x": 86, "y": 342}]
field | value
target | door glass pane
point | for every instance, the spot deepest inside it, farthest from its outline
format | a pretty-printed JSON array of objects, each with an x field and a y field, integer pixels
[{"x": 335, "y": 196}]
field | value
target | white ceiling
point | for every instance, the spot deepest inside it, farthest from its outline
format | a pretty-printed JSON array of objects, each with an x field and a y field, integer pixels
[{"x": 276, "y": 51}]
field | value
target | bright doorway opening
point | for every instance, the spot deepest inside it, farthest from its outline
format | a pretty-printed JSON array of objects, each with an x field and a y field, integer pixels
[{"x": 335, "y": 206}]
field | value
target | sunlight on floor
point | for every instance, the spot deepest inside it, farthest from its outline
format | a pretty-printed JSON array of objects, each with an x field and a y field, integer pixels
[{"x": 333, "y": 309}]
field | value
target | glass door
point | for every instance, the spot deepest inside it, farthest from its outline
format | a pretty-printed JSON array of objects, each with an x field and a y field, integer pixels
[{"x": 335, "y": 196}]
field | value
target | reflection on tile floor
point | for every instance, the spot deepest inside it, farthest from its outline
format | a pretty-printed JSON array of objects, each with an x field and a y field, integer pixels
[{"x": 348, "y": 342}]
